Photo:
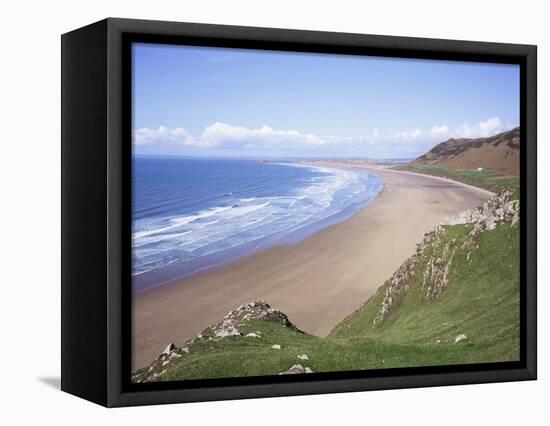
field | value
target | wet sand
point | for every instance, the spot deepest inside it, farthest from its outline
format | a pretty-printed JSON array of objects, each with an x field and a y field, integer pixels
[{"x": 316, "y": 282}]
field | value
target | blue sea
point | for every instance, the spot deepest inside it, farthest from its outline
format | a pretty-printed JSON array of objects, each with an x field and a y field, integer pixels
[{"x": 189, "y": 215}]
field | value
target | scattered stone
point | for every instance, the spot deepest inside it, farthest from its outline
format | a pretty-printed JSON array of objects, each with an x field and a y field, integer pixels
[
  {"x": 460, "y": 337},
  {"x": 230, "y": 331},
  {"x": 297, "y": 369},
  {"x": 303, "y": 357},
  {"x": 169, "y": 349},
  {"x": 254, "y": 335},
  {"x": 276, "y": 347},
  {"x": 438, "y": 341}
]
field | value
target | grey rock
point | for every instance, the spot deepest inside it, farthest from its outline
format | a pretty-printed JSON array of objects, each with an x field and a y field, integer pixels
[
  {"x": 229, "y": 331},
  {"x": 169, "y": 349},
  {"x": 460, "y": 337},
  {"x": 297, "y": 369}
]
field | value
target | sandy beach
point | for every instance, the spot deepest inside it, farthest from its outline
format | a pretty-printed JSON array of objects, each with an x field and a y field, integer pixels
[{"x": 316, "y": 282}]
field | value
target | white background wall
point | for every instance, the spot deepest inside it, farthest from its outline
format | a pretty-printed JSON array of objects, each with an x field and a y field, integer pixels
[{"x": 30, "y": 194}]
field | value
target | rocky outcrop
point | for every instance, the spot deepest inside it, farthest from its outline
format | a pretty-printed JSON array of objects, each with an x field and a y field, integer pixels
[
  {"x": 229, "y": 327},
  {"x": 159, "y": 367},
  {"x": 436, "y": 274},
  {"x": 441, "y": 251},
  {"x": 500, "y": 208},
  {"x": 398, "y": 284}
]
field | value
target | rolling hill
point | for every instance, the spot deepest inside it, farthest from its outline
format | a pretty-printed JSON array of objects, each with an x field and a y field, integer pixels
[{"x": 498, "y": 153}]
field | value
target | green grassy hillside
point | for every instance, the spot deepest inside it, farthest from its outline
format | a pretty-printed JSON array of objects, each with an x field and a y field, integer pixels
[
  {"x": 487, "y": 179},
  {"x": 463, "y": 281},
  {"x": 481, "y": 300}
]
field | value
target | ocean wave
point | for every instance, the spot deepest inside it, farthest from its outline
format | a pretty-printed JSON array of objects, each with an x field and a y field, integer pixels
[
  {"x": 161, "y": 241},
  {"x": 159, "y": 238},
  {"x": 176, "y": 222}
]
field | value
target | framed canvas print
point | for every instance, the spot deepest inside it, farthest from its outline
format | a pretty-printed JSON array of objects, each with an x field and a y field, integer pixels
[{"x": 252, "y": 212}]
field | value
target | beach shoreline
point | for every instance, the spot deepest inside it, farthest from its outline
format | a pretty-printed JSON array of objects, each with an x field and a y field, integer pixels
[
  {"x": 389, "y": 168},
  {"x": 318, "y": 281},
  {"x": 176, "y": 272}
]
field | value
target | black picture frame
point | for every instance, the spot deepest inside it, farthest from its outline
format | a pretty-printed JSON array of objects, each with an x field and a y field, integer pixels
[{"x": 96, "y": 150}]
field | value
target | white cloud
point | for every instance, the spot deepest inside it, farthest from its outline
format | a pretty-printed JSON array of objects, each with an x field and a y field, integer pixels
[
  {"x": 436, "y": 132},
  {"x": 439, "y": 131},
  {"x": 407, "y": 135},
  {"x": 226, "y": 136},
  {"x": 229, "y": 136},
  {"x": 489, "y": 127},
  {"x": 163, "y": 135},
  {"x": 223, "y": 136}
]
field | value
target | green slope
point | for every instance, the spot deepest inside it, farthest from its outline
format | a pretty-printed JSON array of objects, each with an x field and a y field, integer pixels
[
  {"x": 487, "y": 179},
  {"x": 479, "y": 298},
  {"x": 481, "y": 301}
]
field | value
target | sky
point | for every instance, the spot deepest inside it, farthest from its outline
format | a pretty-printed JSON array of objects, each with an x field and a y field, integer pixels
[{"x": 204, "y": 101}]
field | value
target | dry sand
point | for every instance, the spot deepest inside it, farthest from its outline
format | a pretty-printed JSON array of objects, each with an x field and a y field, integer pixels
[{"x": 316, "y": 282}]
